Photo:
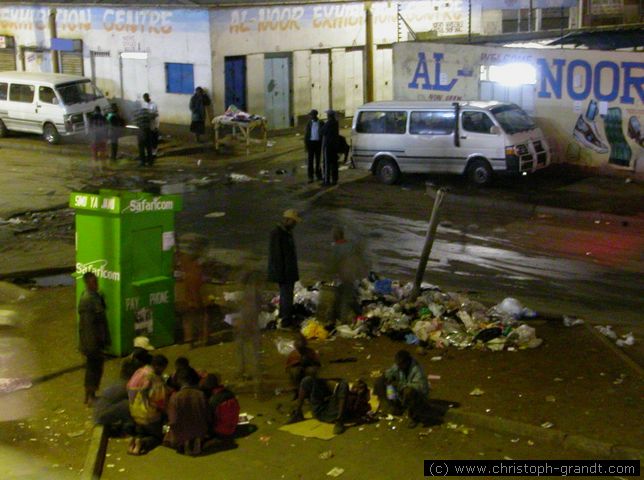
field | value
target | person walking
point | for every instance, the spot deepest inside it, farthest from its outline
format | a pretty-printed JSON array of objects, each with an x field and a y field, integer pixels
[
  {"x": 98, "y": 135},
  {"x": 152, "y": 107},
  {"x": 93, "y": 334},
  {"x": 143, "y": 120},
  {"x": 198, "y": 104},
  {"x": 282, "y": 263},
  {"x": 313, "y": 145},
  {"x": 330, "y": 141},
  {"x": 114, "y": 125}
]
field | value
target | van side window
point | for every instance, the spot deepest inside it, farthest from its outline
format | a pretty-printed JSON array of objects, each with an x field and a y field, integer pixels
[
  {"x": 47, "y": 95},
  {"x": 431, "y": 123},
  {"x": 477, "y": 122},
  {"x": 21, "y": 93},
  {"x": 3, "y": 90},
  {"x": 382, "y": 122}
]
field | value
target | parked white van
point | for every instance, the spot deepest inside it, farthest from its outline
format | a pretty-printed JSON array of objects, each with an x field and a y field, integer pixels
[
  {"x": 51, "y": 104},
  {"x": 472, "y": 138}
]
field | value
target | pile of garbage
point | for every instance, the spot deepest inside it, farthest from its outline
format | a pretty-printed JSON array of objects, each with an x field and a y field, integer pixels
[{"x": 435, "y": 319}]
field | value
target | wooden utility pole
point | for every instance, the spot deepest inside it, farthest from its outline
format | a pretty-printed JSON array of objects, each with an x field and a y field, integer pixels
[
  {"x": 369, "y": 51},
  {"x": 53, "y": 34},
  {"x": 429, "y": 241}
]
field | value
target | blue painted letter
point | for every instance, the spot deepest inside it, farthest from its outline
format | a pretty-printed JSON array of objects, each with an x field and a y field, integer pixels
[
  {"x": 437, "y": 75},
  {"x": 631, "y": 81},
  {"x": 546, "y": 75},
  {"x": 614, "y": 89},
  {"x": 421, "y": 73},
  {"x": 571, "y": 79}
]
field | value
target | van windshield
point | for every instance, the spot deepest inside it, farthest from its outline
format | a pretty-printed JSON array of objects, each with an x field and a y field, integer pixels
[
  {"x": 513, "y": 119},
  {"x": 78, "y": 92}
]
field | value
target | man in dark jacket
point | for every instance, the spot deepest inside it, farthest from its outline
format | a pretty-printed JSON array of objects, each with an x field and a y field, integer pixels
[
  {"x": 313, "y": 144},
  {"x": 330, "y": 142},
  {"x": 144, "y": 118},
  {"x": 282, "y": 263},
  {"x": 93, "y": 334}
]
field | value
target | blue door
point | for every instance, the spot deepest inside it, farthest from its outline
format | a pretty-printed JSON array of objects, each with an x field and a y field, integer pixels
[
  {"x": 236, "y": 82},
  {"x": 277, "y": 87}
]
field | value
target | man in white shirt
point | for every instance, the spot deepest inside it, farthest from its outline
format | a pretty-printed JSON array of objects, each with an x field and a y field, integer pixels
[
  {"x": 148, "y": 104},
  {"x": 313, "y": 144}
]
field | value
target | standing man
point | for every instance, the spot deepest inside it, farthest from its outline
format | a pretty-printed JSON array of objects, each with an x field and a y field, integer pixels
[
  {"x": 313, "y": 145},
  {"x": 282, "y": 263},
  {"x": 93, "y": 334},
  {"x": 330, "y": 141},
  {"x": 98, "y": 135},
  {"x": 152, "y": 107},
  {"x": 143, "y": 119},
  {"x": 198, "y": 103},
  {"x": 115, "y": 124}
]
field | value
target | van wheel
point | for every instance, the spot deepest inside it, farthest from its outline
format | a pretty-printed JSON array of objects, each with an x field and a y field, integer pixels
[
  {"x": 388, "y": 171},
  {"x": 479, "y": 173},
  {"x": 3, "y": 130},
  {"x": 50, "y": 134}
]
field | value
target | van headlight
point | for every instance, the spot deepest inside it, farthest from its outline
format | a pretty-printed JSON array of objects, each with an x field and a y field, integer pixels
[{"x": 510, "y": 150}]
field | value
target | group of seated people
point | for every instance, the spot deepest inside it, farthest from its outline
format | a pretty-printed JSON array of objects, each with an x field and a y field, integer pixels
[
  {"x": 198, "y": 412},
  {"x": 403, "y": 388},
  {"x": 188, "y": 411}
]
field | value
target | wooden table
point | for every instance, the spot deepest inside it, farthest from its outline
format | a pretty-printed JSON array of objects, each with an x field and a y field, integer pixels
[{"x": 245, "y": 128}]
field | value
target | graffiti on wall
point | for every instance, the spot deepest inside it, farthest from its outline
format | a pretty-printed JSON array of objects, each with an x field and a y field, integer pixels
[
  {"x": 149, "y": 21},
  {"x": 443, "y": 17},
  {"x": 604, "y": 97}
]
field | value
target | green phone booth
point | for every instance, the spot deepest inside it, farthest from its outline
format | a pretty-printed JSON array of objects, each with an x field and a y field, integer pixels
[{"x": 127, "y": 240}]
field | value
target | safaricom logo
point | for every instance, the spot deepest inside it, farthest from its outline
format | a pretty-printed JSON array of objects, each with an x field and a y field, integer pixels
[
  {"x": 144, "y": 205},
  {"x": 98, "y": 268}
]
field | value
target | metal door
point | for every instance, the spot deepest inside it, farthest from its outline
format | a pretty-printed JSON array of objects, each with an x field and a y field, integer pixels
[
  {"x": 384, "y": 85},
  {"x": 320, "y": 78},
  {"x": 277, "y": 87},
  {"x": 235, "y": 83},
  {"x": 134, "y": 82},
  {"x": 354, "y": 84},
  {"x": 103, "y": 73},
  {"x": 522, "y": 95}
]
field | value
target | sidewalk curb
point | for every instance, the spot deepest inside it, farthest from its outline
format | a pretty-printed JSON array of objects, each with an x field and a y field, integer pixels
[
  {"x": 95, "y": 457},
  {"x": 556, "y": 437}
]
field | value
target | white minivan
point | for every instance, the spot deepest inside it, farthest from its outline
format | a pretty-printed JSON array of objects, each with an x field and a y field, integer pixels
[
  {"x": 50, "y": 104},
  {"x": 477, "y": 139}
]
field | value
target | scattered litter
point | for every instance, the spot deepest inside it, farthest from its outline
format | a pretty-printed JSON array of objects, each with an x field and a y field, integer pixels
[
  {"x": 551, "y": 398},
  {"x": 607, "y": 331},
  {"x": 425, "y": 433},
  {"x": 547, "y": 425},
  {"x": 244, "y": 418},
  {"x": 265, "y": 439},
  {"x": 572, "y": 321},
  {"x": 157, "y": 182},
  {"x": 239, "y": 178},
  {"x": 530, "y": 442},
  {"x": 515, "y": 440},
  {"x": 438, "y": 358},
  {"x": 433, "y": 377},
  {"x": 215, "y": 214},
  {"x": 558, "y": 379},
  {"x": 477, "y": 392},
  {"x": 326, "y": 455},
  {"x": 110, "y": 465},
  {"x": 512, "y": 307},
  {"x": 121, "y": 470},
  {"x": 284, "y": 345},
  {"x": 335, "y": 472},
  {"x": 8, "y": 385},
  {"x": 270, "y": 144},
  {"x": 76, "y": 433},
  {"x": 626, "y": 340}
]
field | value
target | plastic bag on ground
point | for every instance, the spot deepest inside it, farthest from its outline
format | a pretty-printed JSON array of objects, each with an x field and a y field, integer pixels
[
  {"x": 345, "y": 331},
  {"x": 314, "y": 329},
  {"x": 626, "y": 340},
  {"x": 572, "y": 321},
  {"x": 513, "y": 307},
  {"x": 423, "y": 328},
  {"x": 284, "y": 345},
  {"x": 607, "y": 331}
]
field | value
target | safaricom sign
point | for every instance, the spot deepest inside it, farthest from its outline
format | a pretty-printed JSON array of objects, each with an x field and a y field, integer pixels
[
  {"x": 144, "y": 205},
  {"x": 98, "y": 268}
]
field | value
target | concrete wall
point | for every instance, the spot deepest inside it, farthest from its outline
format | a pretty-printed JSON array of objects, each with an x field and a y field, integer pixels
[
  {"x": 166, "y": 35},
  {"x": 302, "y": 29},
  {"x": 570, "y": 84}
]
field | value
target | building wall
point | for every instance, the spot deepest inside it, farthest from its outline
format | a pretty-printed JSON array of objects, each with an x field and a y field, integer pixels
[
  {"x": 166, "y": 35},
  {"x": 570, "y": 84},
  {"x": 340, "y": 28}
]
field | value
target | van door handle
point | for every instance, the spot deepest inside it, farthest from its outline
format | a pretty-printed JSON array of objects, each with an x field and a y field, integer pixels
[{"x": 463, "y": 137}]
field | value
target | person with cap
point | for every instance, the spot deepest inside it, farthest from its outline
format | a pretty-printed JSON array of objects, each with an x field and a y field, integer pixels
[
  {"x": 282, "y": 263},
  {"x": 93, "y": 334},
  {"x": 199, "y": 103},
  {"x": 313, "y": 145},
  {"x": 330, "y": 141}
]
